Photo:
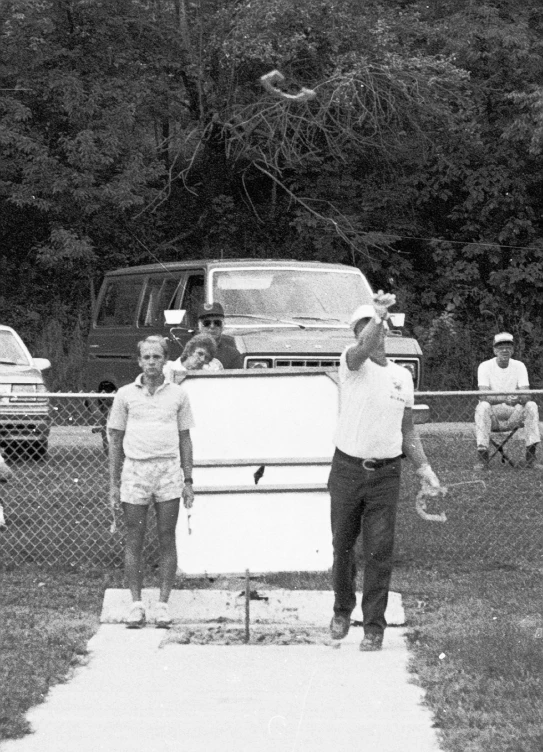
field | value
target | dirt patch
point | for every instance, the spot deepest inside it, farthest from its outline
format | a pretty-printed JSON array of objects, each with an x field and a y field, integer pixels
[{"x": 225, "y": 634}]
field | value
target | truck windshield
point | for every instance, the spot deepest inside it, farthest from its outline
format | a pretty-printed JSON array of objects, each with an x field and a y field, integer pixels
[
  {"x": 11, "y": 353},
  {"x": 309, "y": 296}
]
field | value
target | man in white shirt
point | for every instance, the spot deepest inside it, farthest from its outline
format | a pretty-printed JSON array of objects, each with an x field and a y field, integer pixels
[
  {"x": 505, "y": 411},
  {"x": 150, "y": 460},
  {"x": 375, "y": 429}
]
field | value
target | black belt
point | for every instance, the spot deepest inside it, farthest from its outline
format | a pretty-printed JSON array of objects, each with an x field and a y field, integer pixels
[{"x": 367, "y": 464}]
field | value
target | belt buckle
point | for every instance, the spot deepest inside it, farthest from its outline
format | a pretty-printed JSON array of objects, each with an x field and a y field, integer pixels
[{"x": 368, "y": 467}]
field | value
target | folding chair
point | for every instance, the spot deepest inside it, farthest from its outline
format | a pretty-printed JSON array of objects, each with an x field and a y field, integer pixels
[{"x": 500, "y": 444}]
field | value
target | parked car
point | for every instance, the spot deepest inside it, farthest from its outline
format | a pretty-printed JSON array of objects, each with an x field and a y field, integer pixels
[
  {"x": 282, "y": 314},
  {"x": 25, "y": 418}
]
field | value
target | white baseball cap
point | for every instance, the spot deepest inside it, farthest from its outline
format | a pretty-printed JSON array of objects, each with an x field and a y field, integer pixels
[
  {"x": 362, "y": 312},
  {"x": 503, "y": 338}
]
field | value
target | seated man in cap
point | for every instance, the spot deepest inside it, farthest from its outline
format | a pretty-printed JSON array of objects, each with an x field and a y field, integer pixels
[
  {"x": 505, "y": 411},
  {"x": 211, "y": 321}
]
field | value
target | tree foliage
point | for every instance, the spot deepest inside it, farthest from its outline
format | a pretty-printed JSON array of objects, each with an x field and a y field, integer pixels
[{"x": 136, "y": 130}]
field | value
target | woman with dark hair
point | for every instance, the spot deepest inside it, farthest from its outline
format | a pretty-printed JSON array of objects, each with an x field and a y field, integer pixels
[{"x": 198, "y": 353}]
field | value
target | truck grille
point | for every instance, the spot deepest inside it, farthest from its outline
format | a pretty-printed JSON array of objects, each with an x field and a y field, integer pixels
[
  {"x": 305, "y": 362},
  {"x": 330, "y": 361}
]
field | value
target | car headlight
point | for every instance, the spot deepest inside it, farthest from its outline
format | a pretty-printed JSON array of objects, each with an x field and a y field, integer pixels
[
  {"x": 259, "y": 363},
  {"x": 22, "y": 392},
  {"x": 411, "y": 366}
]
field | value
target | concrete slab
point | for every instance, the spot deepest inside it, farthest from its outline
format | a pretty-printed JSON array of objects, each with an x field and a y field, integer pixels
[
  {"x": 134, "y": 696},
  {"x": 276, "y": 607}
]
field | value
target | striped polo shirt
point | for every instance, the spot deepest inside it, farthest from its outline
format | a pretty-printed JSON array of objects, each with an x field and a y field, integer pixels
[{"x": 151, "y": 422}]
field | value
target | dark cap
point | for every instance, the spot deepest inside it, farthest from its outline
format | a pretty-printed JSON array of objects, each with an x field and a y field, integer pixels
[
  {"x": 503, "y": 338},
  {"x": 210, "y": 309}
]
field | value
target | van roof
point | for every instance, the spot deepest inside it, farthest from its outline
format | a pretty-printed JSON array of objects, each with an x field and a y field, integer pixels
[{"x": 224, "y": 263}]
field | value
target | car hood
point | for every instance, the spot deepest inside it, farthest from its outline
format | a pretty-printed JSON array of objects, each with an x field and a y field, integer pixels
[
  {"x": 19, "y": 375},
  {"x": 311, "y": 341}
]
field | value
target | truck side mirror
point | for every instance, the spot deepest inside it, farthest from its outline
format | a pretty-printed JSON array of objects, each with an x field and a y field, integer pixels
[
  {"x": 174, "y": 317},
  {"x": 42, "y": 364},
  {"x": 397, "y": 319}
]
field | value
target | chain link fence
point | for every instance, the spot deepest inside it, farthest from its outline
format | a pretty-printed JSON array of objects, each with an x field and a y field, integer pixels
[{"x": 57, "y": 511}]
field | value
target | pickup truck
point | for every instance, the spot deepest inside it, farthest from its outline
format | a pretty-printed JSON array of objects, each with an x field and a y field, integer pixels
[{"x": 281, "y": 314}]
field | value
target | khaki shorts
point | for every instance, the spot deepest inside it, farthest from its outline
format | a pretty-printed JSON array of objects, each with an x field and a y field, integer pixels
[{"x": 145, "y": 481}]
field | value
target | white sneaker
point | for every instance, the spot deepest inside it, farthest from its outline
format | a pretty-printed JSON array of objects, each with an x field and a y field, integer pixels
[
  {"x": 136, "y": 616},
  {"x": 162, "y": 616}
]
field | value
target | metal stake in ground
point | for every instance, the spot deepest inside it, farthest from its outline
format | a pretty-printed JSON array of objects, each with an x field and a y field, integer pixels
[{"x": 247, "y": 604}]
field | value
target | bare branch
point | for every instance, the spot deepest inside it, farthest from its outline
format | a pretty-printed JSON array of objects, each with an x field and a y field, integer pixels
[{"x": 308, "y": 208}]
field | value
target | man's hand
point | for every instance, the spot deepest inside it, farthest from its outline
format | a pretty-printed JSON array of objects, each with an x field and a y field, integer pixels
[
  {"x": 188, "y": 495},
  {"x": 430, "y": 488},
  {"x": 114, "y": 503},
  {"x": 115, "y": 497},
  {"x": 428, "y": 477},
  {"x": 382, "y": 301}
]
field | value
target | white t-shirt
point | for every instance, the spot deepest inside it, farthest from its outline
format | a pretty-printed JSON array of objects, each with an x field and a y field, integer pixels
[
  {"x": 372, "y": 401},
  {"x": 499, "y": 379}
]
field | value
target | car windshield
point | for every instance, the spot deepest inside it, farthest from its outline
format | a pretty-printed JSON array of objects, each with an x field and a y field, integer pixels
[
  {"x": 11, "y": 352},
  {"x": 302, "y": 295}
]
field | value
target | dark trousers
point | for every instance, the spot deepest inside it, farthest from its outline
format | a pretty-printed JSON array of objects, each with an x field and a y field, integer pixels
[{"x": 363, "y": 499}]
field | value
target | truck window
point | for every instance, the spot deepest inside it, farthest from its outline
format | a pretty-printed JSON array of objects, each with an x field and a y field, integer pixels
[
  {"x": 193, "y": 297},
  {"x": 120, "y": 302},
  {"x": 158, "y": 297}
]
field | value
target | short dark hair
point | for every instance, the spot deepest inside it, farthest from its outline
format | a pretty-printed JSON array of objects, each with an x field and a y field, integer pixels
[
  {"x": 205, "y": 341},
  {"x": 154, "y": 339}
]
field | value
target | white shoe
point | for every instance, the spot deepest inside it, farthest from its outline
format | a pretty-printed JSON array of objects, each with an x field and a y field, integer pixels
[
  {"x": 136, "y": 616},
  {"x": 162, "y": 616}
]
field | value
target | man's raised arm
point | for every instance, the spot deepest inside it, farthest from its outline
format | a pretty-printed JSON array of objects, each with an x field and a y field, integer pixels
[{"x": 370, "y": 336}]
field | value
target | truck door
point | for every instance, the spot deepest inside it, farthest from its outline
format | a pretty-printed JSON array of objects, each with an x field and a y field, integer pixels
[
  {"x": 192, "y": 295},
  {"x": 113, "y": 336}
]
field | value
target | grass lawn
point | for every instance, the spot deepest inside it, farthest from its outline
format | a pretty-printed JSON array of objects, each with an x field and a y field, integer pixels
[
  {"x": 476, "y": 641},
  {"x": 477, "y": 650},
  {"x": 47, "y": 618},
  {"x": 471, "y": 587}
]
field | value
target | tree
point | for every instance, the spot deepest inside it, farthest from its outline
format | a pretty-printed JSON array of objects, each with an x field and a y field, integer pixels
[{"x": 132, "y": 131}]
